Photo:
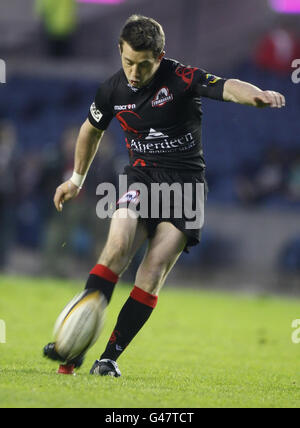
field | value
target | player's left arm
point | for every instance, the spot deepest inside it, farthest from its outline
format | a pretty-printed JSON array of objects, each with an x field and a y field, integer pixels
[{"x": 245, "y": 93}]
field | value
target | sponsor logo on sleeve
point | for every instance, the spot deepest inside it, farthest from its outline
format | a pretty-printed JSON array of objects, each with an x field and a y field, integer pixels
[
  {"x": 96, "y": 113},
  {"x": 186, "y": 74},
  {"x": 211, "y": 79}
]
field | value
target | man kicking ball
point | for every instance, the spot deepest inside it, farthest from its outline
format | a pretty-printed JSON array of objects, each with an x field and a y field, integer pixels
[{"x": 158, "y": 104}]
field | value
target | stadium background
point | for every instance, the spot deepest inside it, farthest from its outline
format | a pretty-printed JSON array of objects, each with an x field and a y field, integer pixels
[{"x": 56, "y": 52}]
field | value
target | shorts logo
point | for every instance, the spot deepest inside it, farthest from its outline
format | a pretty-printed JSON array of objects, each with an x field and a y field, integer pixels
[
  {"x": 162, "y": 97},
  {"x": 131, "y": 196},
  {"x": 97, "y": 115},
  {"x": 125, "y": 107}
]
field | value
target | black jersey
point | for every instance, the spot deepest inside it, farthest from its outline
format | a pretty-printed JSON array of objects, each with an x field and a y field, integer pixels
[{"x": 162, "y": 120}]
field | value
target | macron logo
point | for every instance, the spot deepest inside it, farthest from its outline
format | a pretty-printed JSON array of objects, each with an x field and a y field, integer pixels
[
  {"x": 153, "y": 134},
  {"x": 125, "y": 107}
]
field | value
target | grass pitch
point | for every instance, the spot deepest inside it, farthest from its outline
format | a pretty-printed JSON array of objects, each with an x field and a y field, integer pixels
[{"x": 199, "y": 349}]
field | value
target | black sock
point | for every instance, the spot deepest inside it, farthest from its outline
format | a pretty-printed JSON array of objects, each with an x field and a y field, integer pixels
[
  {"x": 103, "y": 279},
  {"x": 132, "y": 317}
]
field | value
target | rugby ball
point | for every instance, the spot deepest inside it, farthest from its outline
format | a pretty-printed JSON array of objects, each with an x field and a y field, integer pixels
[{"x": 79, "y": 325}]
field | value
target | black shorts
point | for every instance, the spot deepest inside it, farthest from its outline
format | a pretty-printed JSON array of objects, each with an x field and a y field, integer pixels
[{"x": 159, "y": 195}]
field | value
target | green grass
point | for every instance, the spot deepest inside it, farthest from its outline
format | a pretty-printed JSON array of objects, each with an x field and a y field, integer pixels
[{"x": 199, "y": 349}]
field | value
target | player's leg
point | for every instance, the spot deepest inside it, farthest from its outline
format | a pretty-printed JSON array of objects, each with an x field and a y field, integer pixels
[
  {"x": 125, "y": 237},
  {"x": 163, "y": 251}
]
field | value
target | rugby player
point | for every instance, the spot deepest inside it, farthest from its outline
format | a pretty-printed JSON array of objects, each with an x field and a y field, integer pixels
[{"x": 158, "y": 104}]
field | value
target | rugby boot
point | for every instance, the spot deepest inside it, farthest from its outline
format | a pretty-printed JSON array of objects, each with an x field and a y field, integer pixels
[
  {"x": 105, "y": 367},
  {"x": 51, "y": 353}
]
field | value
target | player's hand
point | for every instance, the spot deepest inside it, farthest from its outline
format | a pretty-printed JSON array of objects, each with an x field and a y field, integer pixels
[
  {"x": 65, "y": 192},
  {"x": 269, "y": 99}
]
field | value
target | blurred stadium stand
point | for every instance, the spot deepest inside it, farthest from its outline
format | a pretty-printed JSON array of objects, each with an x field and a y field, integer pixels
[{"x": 253, "y": 161}]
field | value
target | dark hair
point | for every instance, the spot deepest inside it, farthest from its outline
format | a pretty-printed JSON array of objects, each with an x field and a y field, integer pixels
[{"x": 143, "y": 33}]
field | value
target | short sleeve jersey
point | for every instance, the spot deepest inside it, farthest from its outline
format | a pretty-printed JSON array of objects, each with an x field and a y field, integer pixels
[{"x": 161, "y": 121}]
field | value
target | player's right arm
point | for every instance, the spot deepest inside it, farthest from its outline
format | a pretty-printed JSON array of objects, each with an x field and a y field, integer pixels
[{"x": 86, "y": 147}]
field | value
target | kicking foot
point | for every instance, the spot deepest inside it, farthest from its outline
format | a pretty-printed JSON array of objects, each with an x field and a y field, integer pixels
[{"x": 51, "y": 353}]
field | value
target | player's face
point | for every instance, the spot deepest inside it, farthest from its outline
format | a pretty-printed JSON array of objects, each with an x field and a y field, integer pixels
[{"x": 139, "y": 67}]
